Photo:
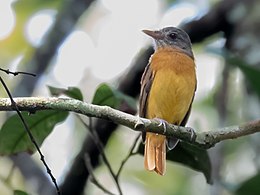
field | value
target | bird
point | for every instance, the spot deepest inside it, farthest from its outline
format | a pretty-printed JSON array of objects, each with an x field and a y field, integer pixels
[{"x": 168, "y": 86}]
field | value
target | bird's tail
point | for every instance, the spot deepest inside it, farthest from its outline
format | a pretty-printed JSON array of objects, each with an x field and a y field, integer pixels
[{"x": 155, "y": 153}]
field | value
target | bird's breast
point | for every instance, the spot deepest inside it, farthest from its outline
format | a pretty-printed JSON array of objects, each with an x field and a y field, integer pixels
[{"x": 173, "y": 86}]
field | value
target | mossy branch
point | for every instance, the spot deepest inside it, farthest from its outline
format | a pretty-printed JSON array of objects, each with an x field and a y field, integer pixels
[{"x": 203, "y": 139}]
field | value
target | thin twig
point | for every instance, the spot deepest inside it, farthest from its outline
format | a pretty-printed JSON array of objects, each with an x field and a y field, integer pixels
[
  {"x": 131, "y": 153},
  {"x": 93, "y": 178},
  {"x": 15, "y": 107},
  {"x": 7, "y": 71},
  {"x": 100, "y": 147}
]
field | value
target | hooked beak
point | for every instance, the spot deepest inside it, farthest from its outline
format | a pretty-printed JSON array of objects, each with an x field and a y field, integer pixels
[{"x": 154, "y": 34}]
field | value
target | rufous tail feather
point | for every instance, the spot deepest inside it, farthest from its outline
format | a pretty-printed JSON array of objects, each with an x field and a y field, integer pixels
[{"x": 155, "y": 153}]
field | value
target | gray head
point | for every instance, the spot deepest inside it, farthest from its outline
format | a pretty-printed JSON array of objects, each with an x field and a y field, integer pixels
[{"x": 171, "y": 37}]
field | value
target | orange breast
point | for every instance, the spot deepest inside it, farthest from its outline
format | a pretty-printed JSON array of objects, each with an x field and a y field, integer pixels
[{"x": 173, "y": 86}]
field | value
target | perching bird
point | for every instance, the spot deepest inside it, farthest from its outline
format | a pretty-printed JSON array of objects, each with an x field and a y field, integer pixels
[{"x": 168, "y": 86}]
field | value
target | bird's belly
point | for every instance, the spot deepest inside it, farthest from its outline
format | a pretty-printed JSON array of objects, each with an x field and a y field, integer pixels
[{"x": 170, "y": 96}]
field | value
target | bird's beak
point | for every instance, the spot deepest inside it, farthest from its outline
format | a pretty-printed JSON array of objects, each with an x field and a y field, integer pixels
[{"x": 154, "y": 34}]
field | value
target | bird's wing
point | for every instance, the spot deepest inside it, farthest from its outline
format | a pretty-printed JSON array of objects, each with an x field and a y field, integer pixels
[
  {"x": 146, "y": 83},
  {"x": 185, "y": 119}
]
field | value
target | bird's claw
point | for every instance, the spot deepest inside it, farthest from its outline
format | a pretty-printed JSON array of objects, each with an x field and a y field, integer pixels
[
  {"x": 162, "y": 123},
  {"x": 139, "y": 124},
  {"x": 193, "y": 133}
]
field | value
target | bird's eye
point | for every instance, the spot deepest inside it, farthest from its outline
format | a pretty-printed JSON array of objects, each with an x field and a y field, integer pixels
[{"x": 172, "y": 35}]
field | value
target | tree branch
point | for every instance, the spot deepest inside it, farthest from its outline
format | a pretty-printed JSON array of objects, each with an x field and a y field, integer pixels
[{"x": 206, "y": 139}]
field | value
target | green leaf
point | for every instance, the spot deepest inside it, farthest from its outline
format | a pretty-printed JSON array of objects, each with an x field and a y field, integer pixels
[
  {"x": 191, "y": 156},
  {"x": 250, "y": 186},
  {"x": 20, "y": 192},
  {"x": 14, "y": 138},
  {"x": 108, "y": 96},
  {"x": 72, "y": 92}
]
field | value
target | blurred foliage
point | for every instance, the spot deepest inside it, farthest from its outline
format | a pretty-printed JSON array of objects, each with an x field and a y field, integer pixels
[
  {"x": 250, "y": 186},
  {"x": 251, "y": 73},
  {"x": 16, "y": 43},
  {"x": 170, "y": 2},
  {"x": 19, "y": 192}
]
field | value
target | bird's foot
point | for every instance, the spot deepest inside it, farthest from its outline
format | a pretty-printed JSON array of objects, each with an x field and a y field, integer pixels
[
  {"x": 192, "y": 132},
  {"x": 139, "y": 123},
  {"x": 162, "y": 123}
]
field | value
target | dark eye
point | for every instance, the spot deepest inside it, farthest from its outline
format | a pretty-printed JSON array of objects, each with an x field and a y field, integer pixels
[{"x": 172, "y": 35}]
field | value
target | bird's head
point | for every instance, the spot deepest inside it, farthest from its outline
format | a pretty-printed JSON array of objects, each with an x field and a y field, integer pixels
[{"x": 171, "y": 37}]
